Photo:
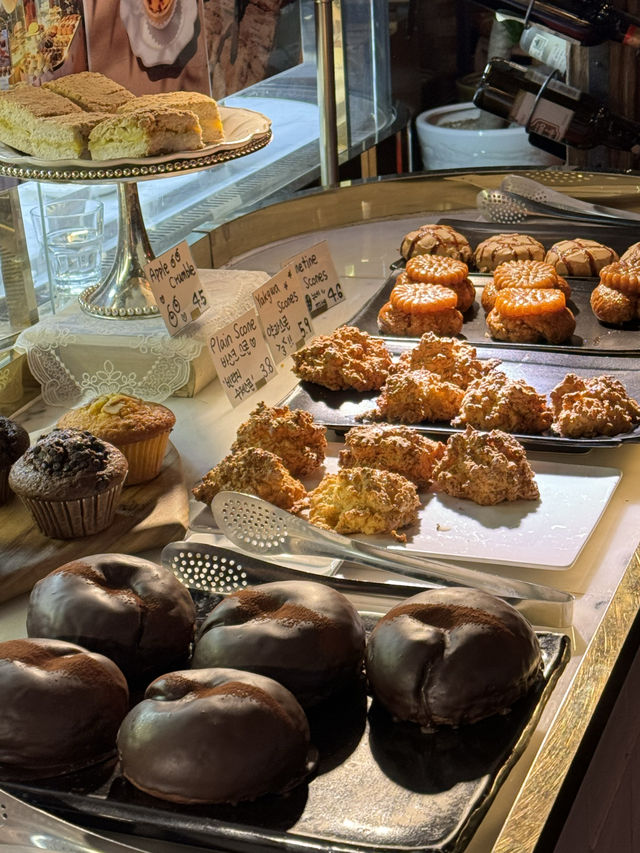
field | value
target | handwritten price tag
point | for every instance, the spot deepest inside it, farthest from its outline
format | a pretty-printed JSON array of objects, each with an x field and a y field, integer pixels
[
  {"x": 177, "y": 288},
  {"x": 241, "y": 356},
  {"x": 283, "y": 313},
  {"x": 321, "y": 287}
]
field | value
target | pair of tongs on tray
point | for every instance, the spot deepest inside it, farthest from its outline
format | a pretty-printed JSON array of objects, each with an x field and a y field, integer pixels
[
  {"x": 520, "y": 198},
  {"x": 260, "y": 528}
]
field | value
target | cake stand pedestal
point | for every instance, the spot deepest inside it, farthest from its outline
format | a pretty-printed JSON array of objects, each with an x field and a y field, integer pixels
[{"x": 126, "y": 292}]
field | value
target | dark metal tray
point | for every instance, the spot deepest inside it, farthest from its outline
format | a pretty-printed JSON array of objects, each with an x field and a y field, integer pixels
[
  {"x": 590, "y": 336},
  {"x": 339, "y": 410},
  {"x": 381, "y": 786}
]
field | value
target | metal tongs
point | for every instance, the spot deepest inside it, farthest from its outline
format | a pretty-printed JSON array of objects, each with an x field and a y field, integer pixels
[
  {"x": 258, "y": 527},
  {"x": 519, "y": 198}
]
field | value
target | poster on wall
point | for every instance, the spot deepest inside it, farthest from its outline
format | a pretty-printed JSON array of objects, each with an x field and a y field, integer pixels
[
  {"x": 40, "y": 40},
  {"x": 148, "y": 45}
]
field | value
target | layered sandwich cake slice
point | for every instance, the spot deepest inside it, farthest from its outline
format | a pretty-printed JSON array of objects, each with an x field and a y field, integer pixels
[
  {"x": 203, "y": 106},
  {"x": 145, "y": 133}
]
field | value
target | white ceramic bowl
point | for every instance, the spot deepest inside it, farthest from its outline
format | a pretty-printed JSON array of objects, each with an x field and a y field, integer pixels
[{"x": 445, "y": 147}]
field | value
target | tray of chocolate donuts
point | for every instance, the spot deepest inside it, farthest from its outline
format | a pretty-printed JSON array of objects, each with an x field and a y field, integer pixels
[
  {"x": 274, "y": 716},
  {"x": 544, "y": 289}
]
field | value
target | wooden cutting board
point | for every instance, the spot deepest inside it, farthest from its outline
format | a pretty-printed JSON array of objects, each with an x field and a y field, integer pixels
[{"x": 149, "y": 516}]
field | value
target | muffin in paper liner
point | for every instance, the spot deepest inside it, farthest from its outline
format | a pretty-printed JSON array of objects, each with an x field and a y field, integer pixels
[
  {"x": 14, "y": 440},
  {"x": 138, "y": 428},
  {"x": 70, "y": 481}
]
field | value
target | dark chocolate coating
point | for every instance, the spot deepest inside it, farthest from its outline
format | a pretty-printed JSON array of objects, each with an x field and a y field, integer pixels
[
  {"x": 14, "y": 440},
  {"x": 451, "y": 656},
  {"x": 215, "y": 736},
  {"x": 303, "y": 634},
  {"x": 129, "y": 609},
  {"x": 61, "y": 706}
]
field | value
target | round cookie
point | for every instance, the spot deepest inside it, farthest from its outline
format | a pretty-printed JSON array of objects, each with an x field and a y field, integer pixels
[
  {"x": 451, "y": 656},
  {"x": 61, "y": 707},
  {"x": 131, "y": 610},
  {"x": 303, "y": 634},
  {"x": 215, "y": 736}
]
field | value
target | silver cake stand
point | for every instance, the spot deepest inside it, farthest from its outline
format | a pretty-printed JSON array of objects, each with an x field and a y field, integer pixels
[{"x": 126, "y": 292}]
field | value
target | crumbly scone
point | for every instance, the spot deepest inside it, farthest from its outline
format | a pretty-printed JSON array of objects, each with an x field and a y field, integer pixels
[
  {"x": 580, "y": 257},
  {"x": 395, "y": 322},
  {"x": 486, "y": 468},
  {"x": 255, "y": 471},
  {"x": 436, "y": 239},
  {"x": 530, "y": 274},
  {"x": 412, "y": 396},
  {"x": 599, "y": 405},
  {"x": 499, "y": 248},
  {"x": 394, "y": 448},
  {"x": 453, "y": 360},
  {"x": 616, "y": 299},
  {"x": 497, "y": 402},
  {"x": 346, "y": 358},
  {"x": 363, "y": 500},
  {"x": 289, "y": 433}
]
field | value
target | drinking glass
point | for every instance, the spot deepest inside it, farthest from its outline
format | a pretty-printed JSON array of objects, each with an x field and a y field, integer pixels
[{"x": 71, "y": 232}]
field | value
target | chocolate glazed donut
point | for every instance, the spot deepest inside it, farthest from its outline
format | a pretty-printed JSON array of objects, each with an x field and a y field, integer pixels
[
  {"x": 215, "y": 736},
  {"x": 129, "y": 609},
  {"x": 451, "y": 656},
  {"x": 61, "y": 707},
  {"x": 303, "y": 634}
]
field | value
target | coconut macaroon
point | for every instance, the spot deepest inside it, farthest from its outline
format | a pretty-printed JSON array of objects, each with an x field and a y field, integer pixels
[
  {"x": 486, "y": 468},
  {"x": 599, "y": 405},
  {"x": 362, "y": 500},
  {"x": 412, "y": 396},
  {"x": 145, "y": 133},
  {"x": 497, "y": 402},
  {"x": 392, "y": 447}
]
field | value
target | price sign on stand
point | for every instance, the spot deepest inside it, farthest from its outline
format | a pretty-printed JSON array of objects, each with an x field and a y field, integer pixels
[
  {"x": 321, "y": 285},
  {"x": 177, "y": 288},
  {"x": 241, "y": 357},
  {"x": 283, "y": 313}
]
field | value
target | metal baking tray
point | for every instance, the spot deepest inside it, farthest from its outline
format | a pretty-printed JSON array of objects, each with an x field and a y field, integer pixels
[
  {"x": 380, "y": 786},
  {"x": 340, "y": 410},
  {"x": 590, "y": 335}
]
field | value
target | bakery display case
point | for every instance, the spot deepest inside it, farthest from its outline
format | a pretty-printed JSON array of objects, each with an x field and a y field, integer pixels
[{"x": 510, "y": 788}]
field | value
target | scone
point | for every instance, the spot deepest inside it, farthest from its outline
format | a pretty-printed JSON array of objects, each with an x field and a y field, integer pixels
[
  {"x": 204, "y": 107},
  {"x": 255, "y": 471},
  {"x": 499, "y": 248},
  {"x": 616, "y": 299},
  {"x": 289, "y": 433},
  {"x": 363, "y": 500},
  {"x": 497, "y": 402},
  {"x": 523, "y": 315},
  {"x": 451, "y": 359},
  {"x": 346, "y": 358},
  {"x": 537, "y": 275},
  {"x": 486, "y": 468},
  {"x": 580, "y": 257},
  {"x": 145, "y": 133},
  {"x": 436, "y": 239},
  {"x": 138, "y": 428},
  {"x": 394, "y": 448},
  {"x": 412, "y": 396},
  {"x": 91, "y": 91},
  {"x": 599, "y": 405}
]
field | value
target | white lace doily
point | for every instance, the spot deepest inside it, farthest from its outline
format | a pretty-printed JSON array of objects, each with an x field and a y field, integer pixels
[{"x": 75, "y": 356}]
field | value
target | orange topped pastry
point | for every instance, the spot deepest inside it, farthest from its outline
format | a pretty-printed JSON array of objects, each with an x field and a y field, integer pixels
[
  {"x": 420, "y": 298},
  {"x": 522, "y": 274},
  {"x": 526, "y": 315},
  {"x": 616, "y": 299},
  {"x": 452, "y": 273}
]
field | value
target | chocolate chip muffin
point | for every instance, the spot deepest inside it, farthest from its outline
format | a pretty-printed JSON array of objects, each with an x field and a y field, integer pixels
[
  {"x": 14, "y": 440},
  {"x": 70, "y": 481}
]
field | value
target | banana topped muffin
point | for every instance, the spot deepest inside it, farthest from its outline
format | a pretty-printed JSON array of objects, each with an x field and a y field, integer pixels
[
  {"x": 138, "y": 428},
  {"x": 70, "y": 481}
]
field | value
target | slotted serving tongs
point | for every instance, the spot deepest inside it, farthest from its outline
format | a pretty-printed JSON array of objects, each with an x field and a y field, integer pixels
[
  {"x": 520, "y": 198},
  {"x": 261, "y": 528},
  {"x": 24, "y": 827}
]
